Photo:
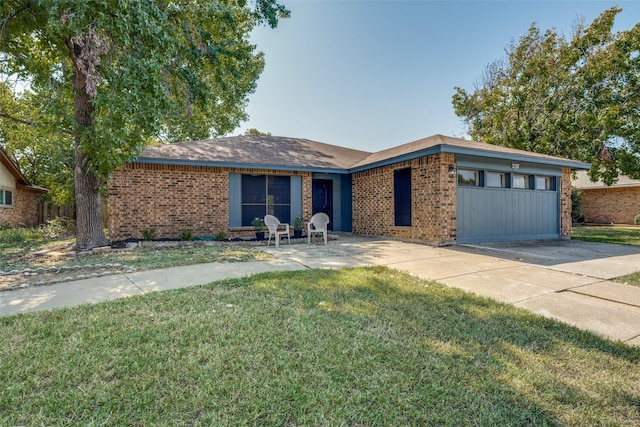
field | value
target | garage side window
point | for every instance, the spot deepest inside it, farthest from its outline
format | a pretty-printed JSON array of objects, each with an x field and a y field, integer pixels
[
  {"x": 6, "y": 198},
  {"x": 265, "y": 194},
  {"x": 469, "y": 177},
  {"x": 520, "y": 181},
  {"x": 545, "y": 183},
  {"x": 402, "y": 196},
  {"x": 496, "y": 179}
]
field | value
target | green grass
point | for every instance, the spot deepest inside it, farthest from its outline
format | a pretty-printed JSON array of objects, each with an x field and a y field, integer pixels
[
  {"x": 629, "y": 279},
  {"x": 607, "y": 234},
  {"x": 352, "y": 347},
  {"x": 17, "y": 248}
]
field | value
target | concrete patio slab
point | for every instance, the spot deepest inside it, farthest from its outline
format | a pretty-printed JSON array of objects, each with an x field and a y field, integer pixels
[
  {"x": 451, "y": 264},
  {"x": 611, "y": 320},
  {"x": 612, "y": 291},
  {"x": 605, "y": 268},
  {"x": 544, "y": 277},
  {"x": 67, "y": 294},
  {"x": 496, "y": 286},
  {"x": 108, "y": 288}
]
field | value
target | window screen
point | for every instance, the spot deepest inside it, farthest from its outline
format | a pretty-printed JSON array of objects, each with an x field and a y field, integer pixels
[
  {"x": 265, "y": 194},
  {"x": 496, "y": 179},
  {"x": 520, "y": 181}
]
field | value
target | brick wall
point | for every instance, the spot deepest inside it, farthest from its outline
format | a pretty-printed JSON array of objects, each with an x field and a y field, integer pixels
[
  {"x": 25, "y": 211},
  {"x": 611, "y": 205},
  {"x": 433, "y": 201},
  {"x": 174, "y": 198},
  {"x": 565, "y": 203}
]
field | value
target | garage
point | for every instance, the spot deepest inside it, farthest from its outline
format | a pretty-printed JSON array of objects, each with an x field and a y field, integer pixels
[{"x": 507, "y": 200}]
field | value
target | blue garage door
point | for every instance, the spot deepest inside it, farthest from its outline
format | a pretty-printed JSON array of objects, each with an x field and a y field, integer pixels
[{"x": 505, "y": 214}]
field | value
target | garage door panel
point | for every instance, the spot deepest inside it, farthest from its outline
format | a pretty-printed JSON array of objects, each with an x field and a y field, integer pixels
[{"x": 488, "y": 214}]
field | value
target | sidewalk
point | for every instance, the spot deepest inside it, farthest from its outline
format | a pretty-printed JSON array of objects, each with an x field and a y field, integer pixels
[{"x": 584, "y": 300}]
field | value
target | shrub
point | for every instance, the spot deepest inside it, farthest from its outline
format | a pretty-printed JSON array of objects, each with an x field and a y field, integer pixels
[
  {"x": 298, "y": 223},
  {"x": 186, "y": 235},
  {"x": 576, "y": 205},
  {"x": 57, "y": 227},
  {"x": 149, "y": 234},
  {"x": 219, "y": 237}
]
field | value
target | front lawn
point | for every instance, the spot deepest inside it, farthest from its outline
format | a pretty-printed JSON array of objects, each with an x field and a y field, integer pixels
[
  {"x": 620, "y": 235},
  {"x": 22, "y": 248},
  {"x": 365, "y": 347}
]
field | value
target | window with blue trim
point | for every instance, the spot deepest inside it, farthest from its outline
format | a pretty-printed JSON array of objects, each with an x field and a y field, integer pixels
[{"x": 265, "y": 195}]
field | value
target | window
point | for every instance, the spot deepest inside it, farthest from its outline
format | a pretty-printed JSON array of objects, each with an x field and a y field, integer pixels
[
  {"x": 468, "y": 177},
  {"x": 6, "y": 198},
  {"x": 496, "y": 179},
  {"x": 520, "y": 181},
  {"x": 265, "y": 195},
  {"x": 545, "y": 183},
  {"x": 402, "y": 197}
]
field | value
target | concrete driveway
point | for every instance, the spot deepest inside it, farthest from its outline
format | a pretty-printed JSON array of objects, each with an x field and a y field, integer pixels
[{"x": 567, "y": 280}]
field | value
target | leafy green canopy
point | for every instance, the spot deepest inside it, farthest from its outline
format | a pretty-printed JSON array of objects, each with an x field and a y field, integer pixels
[
  {"x": 577, "y": 98},
  {"x": 172, "y": 70}
]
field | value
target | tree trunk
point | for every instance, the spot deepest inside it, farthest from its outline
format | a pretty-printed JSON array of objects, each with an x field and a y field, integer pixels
[{"x": 89, "y": 232}]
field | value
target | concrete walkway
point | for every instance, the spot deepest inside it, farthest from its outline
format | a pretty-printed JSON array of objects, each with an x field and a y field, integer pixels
[{"x": 573, "y": 288}]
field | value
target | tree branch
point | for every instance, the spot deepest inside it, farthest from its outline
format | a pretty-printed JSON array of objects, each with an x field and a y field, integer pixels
[{"x": 27, "y": 122}]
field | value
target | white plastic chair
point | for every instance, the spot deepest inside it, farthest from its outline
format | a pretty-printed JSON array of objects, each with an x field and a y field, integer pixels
[
  {"x": 273, "y": 225},
  {"x": 318, "y": 225}
]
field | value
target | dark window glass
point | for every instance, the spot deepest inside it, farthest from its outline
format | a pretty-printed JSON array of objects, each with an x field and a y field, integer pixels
[
  {"x": 402, "y": 197},
  {"x": 8, "y": 198},
  {"x": 262, "y": 195},
  {"x": 254, "y": 189},
  {"x": 468, "y": 177}
]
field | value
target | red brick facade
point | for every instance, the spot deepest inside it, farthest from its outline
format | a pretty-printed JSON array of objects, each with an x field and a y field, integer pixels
[
  {"x": 25, "y": 211},
  {"x": 615, "y": 205},
  {"x": 171, "y": 199},
  {"x": 174, "y": 198},
  {"x": 433, "y": 200}
]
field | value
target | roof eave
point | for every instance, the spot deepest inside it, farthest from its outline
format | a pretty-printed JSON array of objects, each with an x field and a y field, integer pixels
[
  {"x": 452, "y": 149},
  {"x": 234, "y": 165},
  {"x": 530, "y": 158}
]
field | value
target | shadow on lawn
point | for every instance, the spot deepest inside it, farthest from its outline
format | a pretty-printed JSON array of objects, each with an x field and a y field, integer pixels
[{"x": 470, "y": 358}]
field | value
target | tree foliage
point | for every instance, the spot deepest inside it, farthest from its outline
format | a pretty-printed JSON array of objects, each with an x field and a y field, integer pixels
[
  {"x": 124, "y": 72},
  {"x": 576, "y": 97}
]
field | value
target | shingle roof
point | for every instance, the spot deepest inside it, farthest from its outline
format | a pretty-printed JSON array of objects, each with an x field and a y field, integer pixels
[
  {"x": 583, "y": 182},
  {"x": 450, "y": 143},
  {"x": 258, "y": 150},
  {"x": 21, "y": 180},
  {"x": 303, "y": 154}
]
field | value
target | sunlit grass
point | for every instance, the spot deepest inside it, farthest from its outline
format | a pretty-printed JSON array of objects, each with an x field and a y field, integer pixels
[
  {"x": 317, "y": 347},
  {"x": 607, "y": 234}
]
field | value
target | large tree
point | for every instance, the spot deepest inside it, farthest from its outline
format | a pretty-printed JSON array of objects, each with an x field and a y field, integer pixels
[
  {"x": 123, "y": 72},
  {"x": 576, "y": 97}
]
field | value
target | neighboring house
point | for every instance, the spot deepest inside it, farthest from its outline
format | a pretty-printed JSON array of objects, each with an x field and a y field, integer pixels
[
  {"x": 438, "y": 190},
  {"x": 19, "y": 200},
  {"x": 614, "y": 204}
]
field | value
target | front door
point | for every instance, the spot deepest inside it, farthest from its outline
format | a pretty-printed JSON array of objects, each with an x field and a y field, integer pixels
[{"x": 322, "y": 198}]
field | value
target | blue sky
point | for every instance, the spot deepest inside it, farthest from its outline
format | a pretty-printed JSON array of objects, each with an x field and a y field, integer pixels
[{"x": 371, "y": 75}]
